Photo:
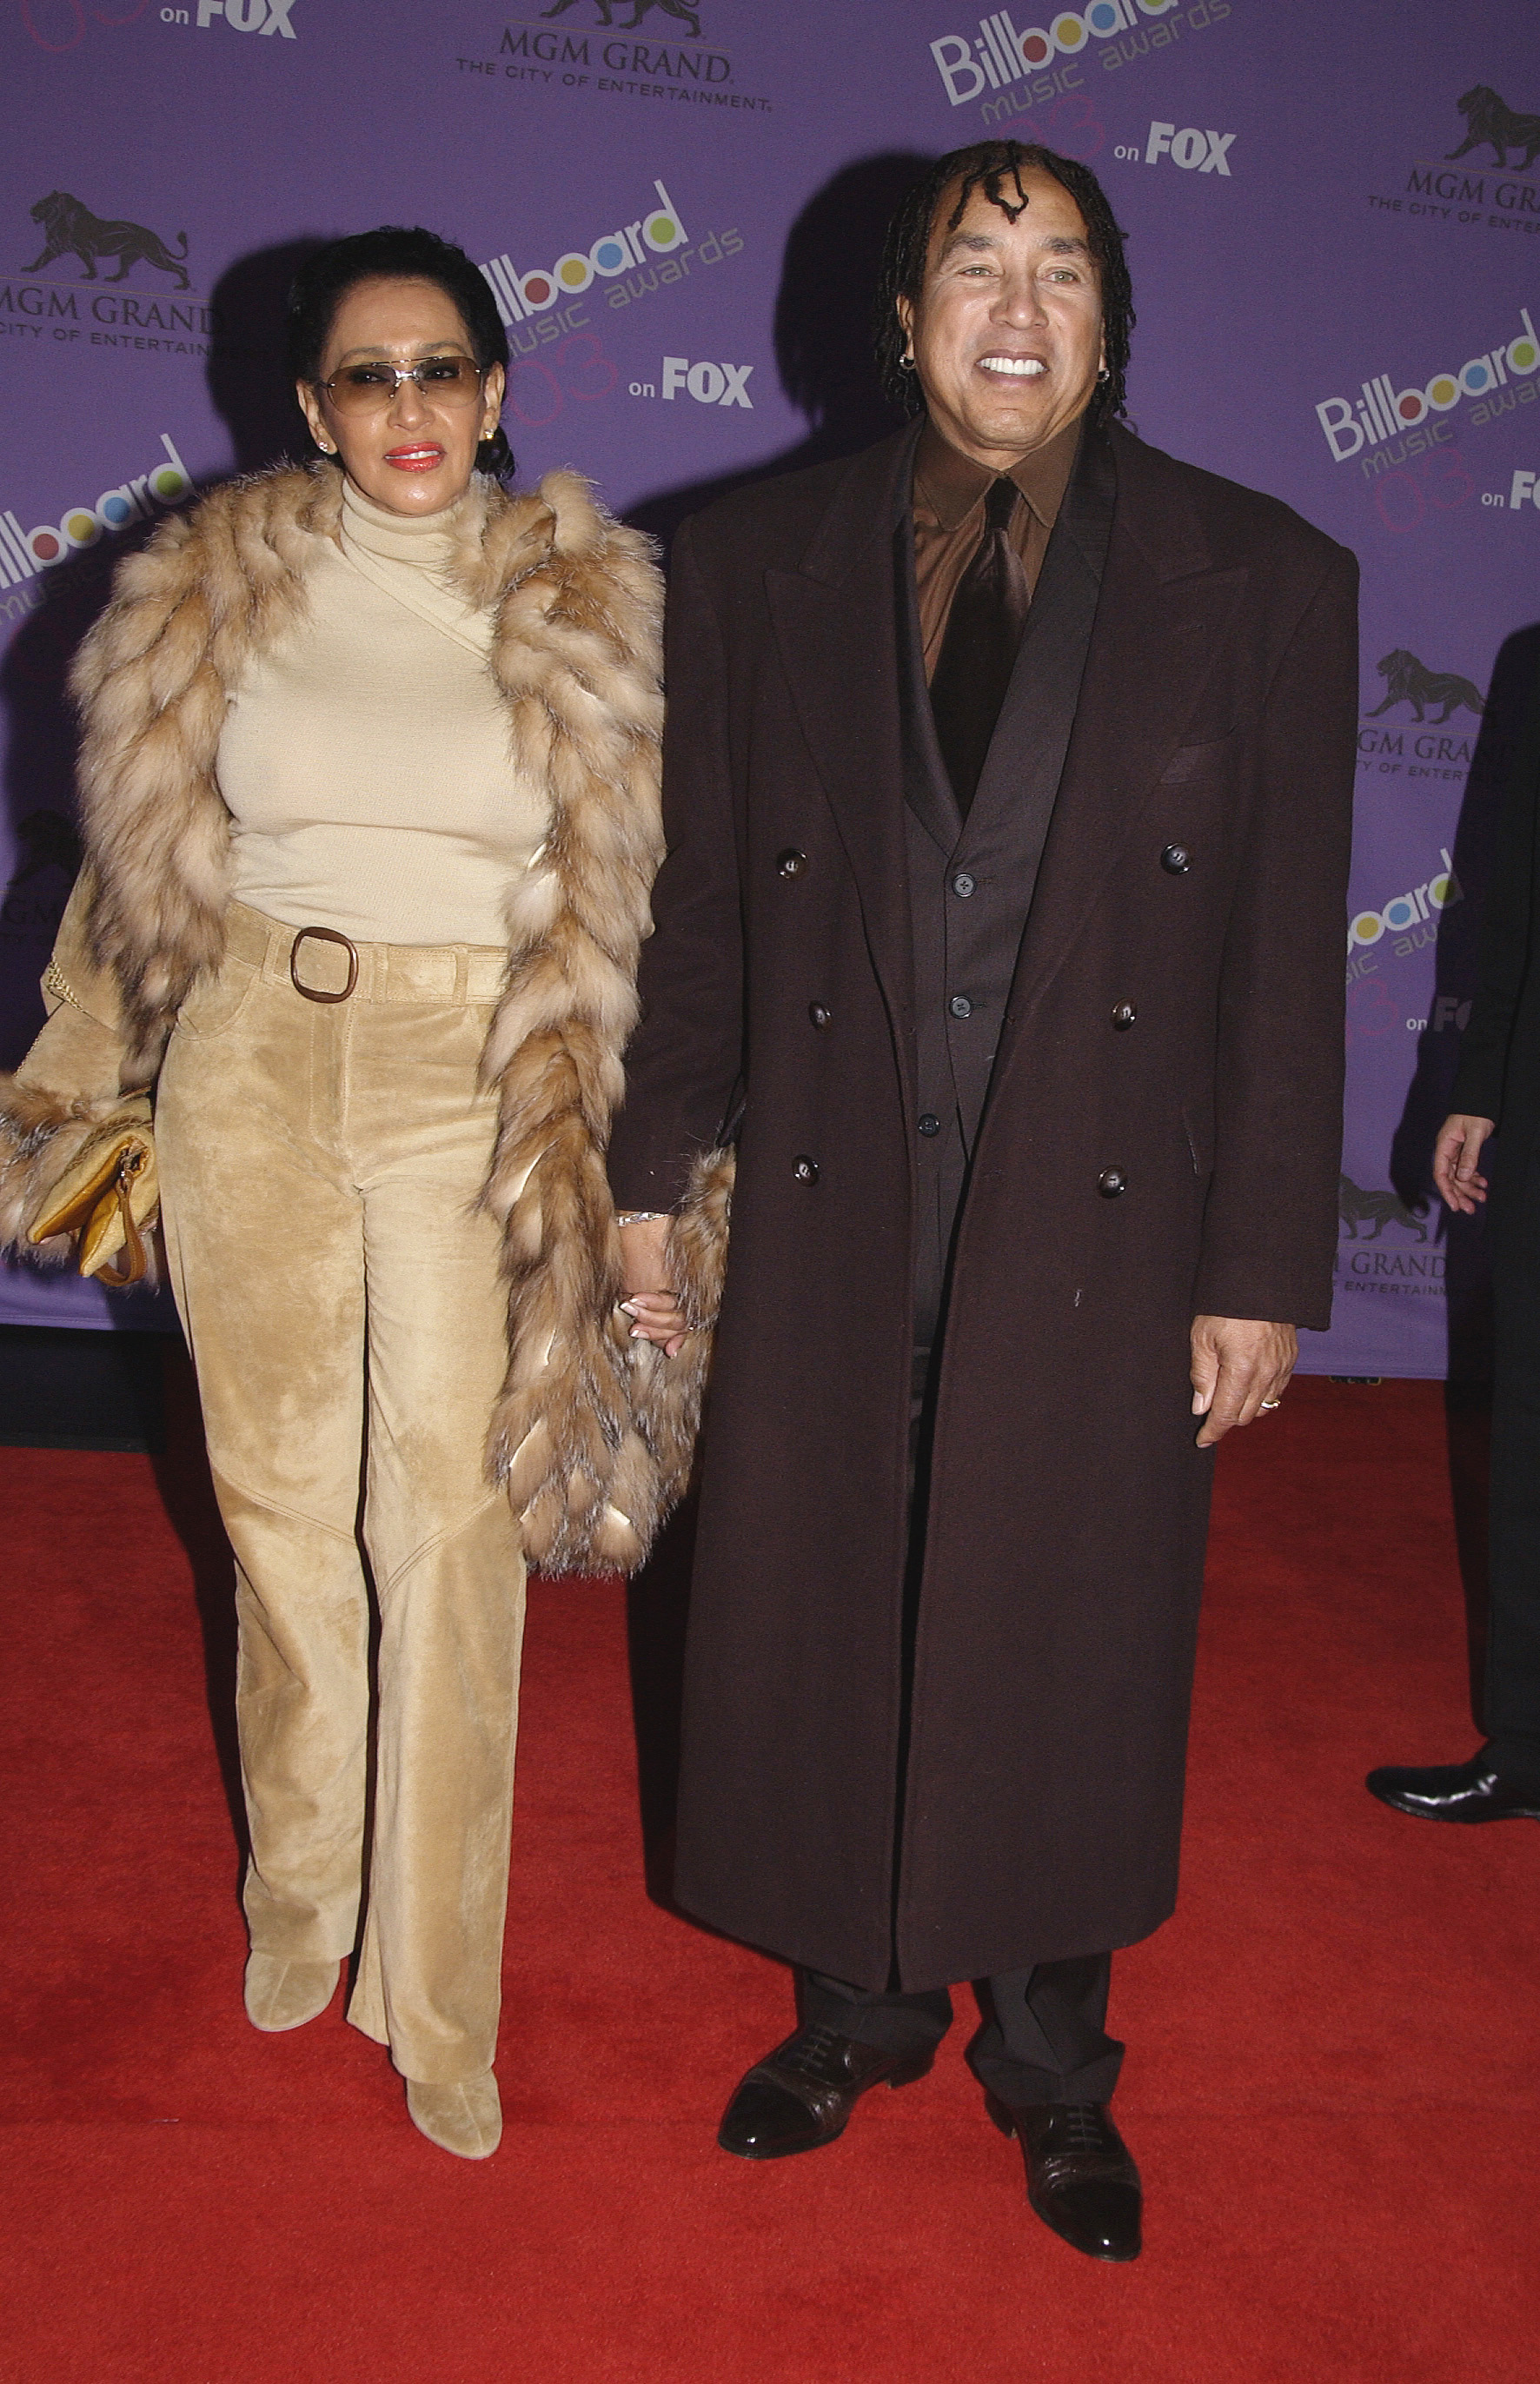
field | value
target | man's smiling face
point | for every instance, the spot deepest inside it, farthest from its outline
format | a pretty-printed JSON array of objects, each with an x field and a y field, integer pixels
[{"x": 1007, "y": 334}]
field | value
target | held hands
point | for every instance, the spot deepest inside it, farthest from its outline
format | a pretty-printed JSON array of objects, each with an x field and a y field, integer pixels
[
  {"x": 1454, "y": 1160},
  {"x": 653, "y": 1308},
  {"x": 1239, "y": 1366}
]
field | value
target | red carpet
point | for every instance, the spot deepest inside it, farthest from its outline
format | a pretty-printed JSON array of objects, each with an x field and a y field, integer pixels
[{"x": 1330, "y": 2084}]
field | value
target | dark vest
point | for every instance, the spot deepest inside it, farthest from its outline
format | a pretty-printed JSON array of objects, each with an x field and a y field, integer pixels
[{"x": 971, "y": 882}]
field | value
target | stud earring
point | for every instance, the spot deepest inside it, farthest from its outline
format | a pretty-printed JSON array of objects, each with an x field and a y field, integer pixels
[{"x": 1104, "y": 374}]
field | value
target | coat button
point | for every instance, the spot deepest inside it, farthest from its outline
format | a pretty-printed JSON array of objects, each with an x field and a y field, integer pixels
[
  {"x": 960, "y": 1006},
  {"x": 1177, "y": 860},
  {"x": 805, "y": 1170},
  {"x": 929, "y": 1124},
  {"x": 963, "y": 883},
  {"x": 1110, "y": 1181},
  {"x": 819, "y": 1015},
  {"x": 1124, "y": 1014},
  {"x": 791, "y": 863}
]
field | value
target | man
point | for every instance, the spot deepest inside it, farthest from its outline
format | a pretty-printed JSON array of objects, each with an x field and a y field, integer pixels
[
  {"x": 1498, "y": 1083},
  {"x": 1007, "y": 778}
]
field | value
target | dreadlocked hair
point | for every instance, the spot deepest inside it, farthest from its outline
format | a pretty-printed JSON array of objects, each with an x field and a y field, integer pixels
[{"x": 996, "y": 168}]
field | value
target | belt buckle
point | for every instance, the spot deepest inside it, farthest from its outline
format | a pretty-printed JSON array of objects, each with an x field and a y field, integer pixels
[{"x": 325, "y": 936}]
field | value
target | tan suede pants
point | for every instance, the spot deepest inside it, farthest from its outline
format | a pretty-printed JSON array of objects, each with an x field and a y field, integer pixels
[{"x": 320, "y": 1164}]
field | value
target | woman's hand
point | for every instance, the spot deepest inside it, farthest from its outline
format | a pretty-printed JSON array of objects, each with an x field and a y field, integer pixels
[
  {"x": 652, "y": 1305},
  {"x": 1454, "y": 1160}
]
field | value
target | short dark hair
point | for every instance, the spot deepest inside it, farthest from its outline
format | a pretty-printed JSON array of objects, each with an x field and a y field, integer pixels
[
  {"x": 985, "y": 166},
  {"x": 395, "y": 253}
]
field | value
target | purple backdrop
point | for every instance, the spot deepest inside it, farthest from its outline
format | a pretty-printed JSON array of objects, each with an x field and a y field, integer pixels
[{"x": 680, "y": 218}]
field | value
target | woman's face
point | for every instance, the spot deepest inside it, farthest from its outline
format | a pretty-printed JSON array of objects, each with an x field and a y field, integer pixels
[{"x": 412, "y": 453}]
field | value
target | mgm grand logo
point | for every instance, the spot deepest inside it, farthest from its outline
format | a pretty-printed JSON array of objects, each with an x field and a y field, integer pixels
[
  {"x": 70, "y": 230},
  {"x": 1513, "y": 138},
  {"x": 1360, "y": 1204},
  {"x": 610, "y": 22},
  {"x": 1409, "y": 681},
  {"x": 596, "y": 39},
  {"x": 1488, "y": 118}
]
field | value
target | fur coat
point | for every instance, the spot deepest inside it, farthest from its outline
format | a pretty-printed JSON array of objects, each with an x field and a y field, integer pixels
[{"x": 576, "y": 658}]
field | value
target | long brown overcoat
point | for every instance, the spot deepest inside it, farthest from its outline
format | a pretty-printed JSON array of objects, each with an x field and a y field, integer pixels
[{"x": 1057, "y": 1610}]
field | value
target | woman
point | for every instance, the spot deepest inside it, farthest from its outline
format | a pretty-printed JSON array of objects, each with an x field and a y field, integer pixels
[{"x": 369, "y": 794}]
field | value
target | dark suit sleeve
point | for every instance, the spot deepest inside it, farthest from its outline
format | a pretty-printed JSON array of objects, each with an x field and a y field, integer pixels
[
  {"x": 687, "y": 1056},
  {"x": 1480, "y": 1082},
  {"x": 1269, "y": 1224}
]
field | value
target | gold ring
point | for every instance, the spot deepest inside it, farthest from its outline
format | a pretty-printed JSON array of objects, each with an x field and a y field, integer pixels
[{"x": 1272, "y": 1403}]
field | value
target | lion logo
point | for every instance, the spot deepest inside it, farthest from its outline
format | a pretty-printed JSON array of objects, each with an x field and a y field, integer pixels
[
  {"x": 73, "y": 230},
  {"x": 1409, "y": 681},
  {"x": 1488, "y": 118},
  {"x": 679, "y": 9},
  {"x": 1358, "y": 1205}
]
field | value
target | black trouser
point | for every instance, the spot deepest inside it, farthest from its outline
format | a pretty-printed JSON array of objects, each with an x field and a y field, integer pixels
[
  {"x": 1512, "y": 1698},
  {"x": 1044, "y": 2038},
  {"x": 1042, "y": 2041}
]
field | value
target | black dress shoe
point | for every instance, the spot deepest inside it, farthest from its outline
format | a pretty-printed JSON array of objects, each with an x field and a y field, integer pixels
[
  {"x": 1454, "y": 1792},
  {"x": 1080, "y": 2175},
  {"x": 801, "y": 2096}
]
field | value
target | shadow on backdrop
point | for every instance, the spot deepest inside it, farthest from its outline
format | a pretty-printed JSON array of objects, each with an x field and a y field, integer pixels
[
  {"x": 248, "y": 385},
  {"x": 37, "y": 797},
  {"x": 1467, "y": 1398},
  {"x": 247, "y": 378},
  {"x": 822, "y": 332}
]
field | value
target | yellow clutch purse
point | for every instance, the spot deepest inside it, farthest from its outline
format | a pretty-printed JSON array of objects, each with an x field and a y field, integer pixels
[{"x": 109, "y": 1195}]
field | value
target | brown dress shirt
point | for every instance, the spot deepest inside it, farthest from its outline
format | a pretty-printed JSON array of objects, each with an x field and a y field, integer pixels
[{"x": 950, "y": 489}]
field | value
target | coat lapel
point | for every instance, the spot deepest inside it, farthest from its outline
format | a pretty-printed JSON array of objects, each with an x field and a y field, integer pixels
[
  {"x": 836, "y": 626},
  {"x": 1157, "y": 629}
]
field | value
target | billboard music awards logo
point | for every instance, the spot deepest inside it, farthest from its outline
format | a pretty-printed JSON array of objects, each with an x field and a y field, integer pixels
[
  {"x": 1499, "y": 189},
  {"x": 1501, "y": 380},
  {"x": 1003, "y": 55},
  {"x": 1405, "y": 915},
  {"x": 623, "y": 257},
  {"x": 24, "y": 552}
]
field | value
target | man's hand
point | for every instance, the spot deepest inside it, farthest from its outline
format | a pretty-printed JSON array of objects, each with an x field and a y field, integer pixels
[
  {"x": 1454, "y": 1160},
  {"x": 653, "y": 1308},
  {"x": 1238, "y": 1366}
]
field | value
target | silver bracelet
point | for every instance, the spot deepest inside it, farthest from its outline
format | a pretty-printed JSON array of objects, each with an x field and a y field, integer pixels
[{"x": 640, "y": 1216}]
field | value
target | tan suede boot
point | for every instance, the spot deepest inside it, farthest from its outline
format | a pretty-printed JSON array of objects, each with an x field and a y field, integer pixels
[
  {"x": 283, "y": 1994},
  {"x": 465, "y": 2118}
]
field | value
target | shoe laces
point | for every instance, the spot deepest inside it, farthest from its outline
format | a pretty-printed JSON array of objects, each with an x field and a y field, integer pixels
[
  {"x": 1079, "y": 2127},
  {"x": 816, "y": 2054}
]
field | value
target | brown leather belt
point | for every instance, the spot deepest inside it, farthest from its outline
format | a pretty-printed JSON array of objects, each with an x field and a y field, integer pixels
[{"x": 325, "y": 936}]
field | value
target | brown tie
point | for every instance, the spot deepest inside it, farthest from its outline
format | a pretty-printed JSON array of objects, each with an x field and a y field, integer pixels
[{"x": 979, "y": 651}]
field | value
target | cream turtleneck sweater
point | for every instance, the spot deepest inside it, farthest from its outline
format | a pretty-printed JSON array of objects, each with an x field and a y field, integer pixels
[{"x": 364, "y": 759}]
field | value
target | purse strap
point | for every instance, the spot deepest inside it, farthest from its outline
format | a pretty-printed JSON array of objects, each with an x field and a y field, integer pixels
[{"x": 133, "y": 1269}]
